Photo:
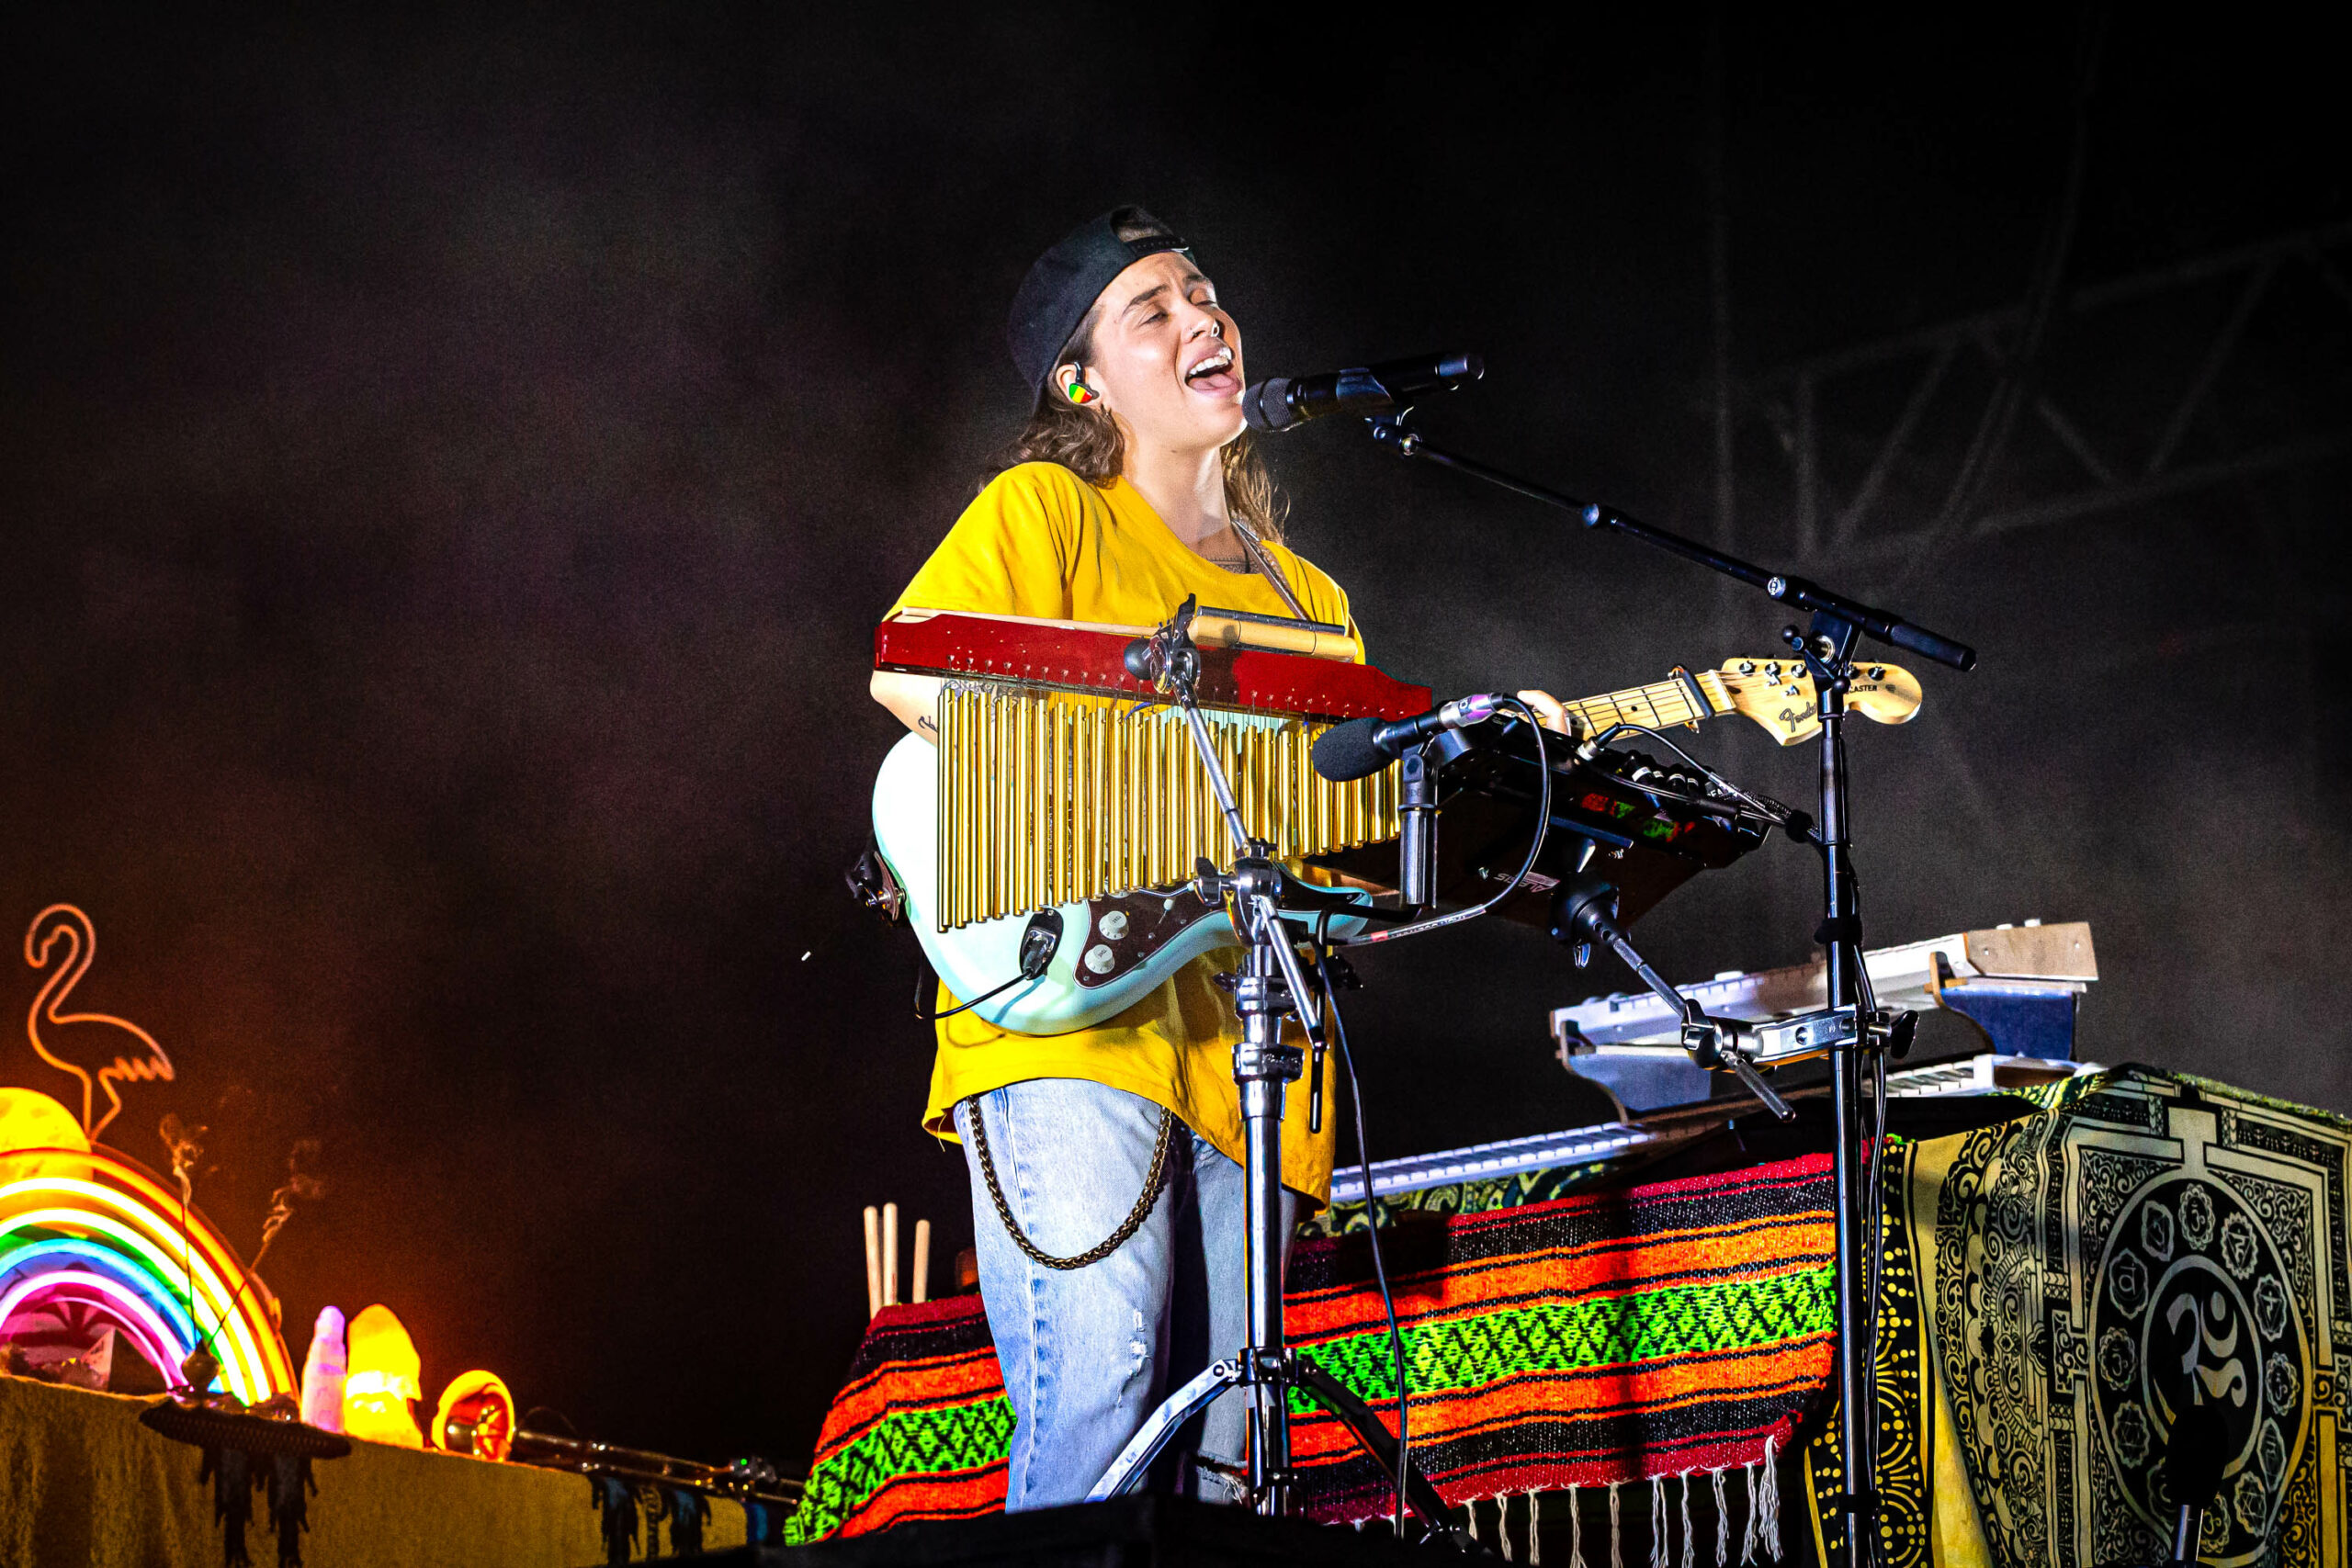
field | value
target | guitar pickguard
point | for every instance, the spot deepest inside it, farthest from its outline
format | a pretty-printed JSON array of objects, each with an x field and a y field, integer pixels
[
  {"x": 1125, "y": 932},
  {"x": 1102, "y": 966}
]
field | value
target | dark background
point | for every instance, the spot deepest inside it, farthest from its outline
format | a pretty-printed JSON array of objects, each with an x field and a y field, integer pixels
[{"x": 451, "y": 468}]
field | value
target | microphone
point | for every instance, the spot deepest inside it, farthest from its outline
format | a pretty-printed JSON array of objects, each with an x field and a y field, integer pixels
[
  {"x": 1364, "y": 746},
  {"x": 1281, "y": 401}
]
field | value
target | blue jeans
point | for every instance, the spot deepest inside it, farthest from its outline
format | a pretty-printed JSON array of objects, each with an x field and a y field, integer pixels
[{"x": 1088, "y": 1353}]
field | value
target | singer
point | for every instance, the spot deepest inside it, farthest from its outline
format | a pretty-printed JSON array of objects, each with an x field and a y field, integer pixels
[{"x": 1131, "y": 487}]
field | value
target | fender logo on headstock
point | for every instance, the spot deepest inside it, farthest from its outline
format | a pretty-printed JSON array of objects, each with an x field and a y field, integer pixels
[{"x": 1779, "y": 695}]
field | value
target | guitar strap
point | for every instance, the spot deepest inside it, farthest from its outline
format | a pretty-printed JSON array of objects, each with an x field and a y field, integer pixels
[{"x": 1256, "y": 548}]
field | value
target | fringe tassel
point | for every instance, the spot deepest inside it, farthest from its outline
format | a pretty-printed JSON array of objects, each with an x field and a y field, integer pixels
[
  {"x": 1616, "y": 1532},
  {"x": 1471, "y": 1508},
  {"x": 1659, "y": 1543},
  {"x": 1690, "y": 1551},
  {"x": 1535, "y": 1528},
  {"x": 1502, "y": 1522},
  {"x": 1723, "y": 1525},
  {"x": 1575, "y": 1531},
  {"x": 1748, "y": 1535},
  {"x": 1771, "y": 1507}
]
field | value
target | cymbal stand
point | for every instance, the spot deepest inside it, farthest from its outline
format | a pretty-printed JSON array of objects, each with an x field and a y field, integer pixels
[
  {"x": 1827, "y": 648},
  {"x": 1269, "y": 987}
]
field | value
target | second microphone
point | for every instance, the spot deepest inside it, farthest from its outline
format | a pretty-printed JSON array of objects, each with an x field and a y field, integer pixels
[{"x": 1363, "y": 745}]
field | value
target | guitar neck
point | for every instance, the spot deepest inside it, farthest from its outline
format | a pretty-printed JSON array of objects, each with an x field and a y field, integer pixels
[{"x": 1683, "y": 700}]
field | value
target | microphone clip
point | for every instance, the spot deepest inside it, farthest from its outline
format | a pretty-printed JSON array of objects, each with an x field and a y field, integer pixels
[
  {"x": 1167, "y": 659},
  {"x": 1388, "y": 432}
]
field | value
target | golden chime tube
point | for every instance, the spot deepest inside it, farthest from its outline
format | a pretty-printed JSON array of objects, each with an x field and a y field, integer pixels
[
  {"x": 1196, "y": 786},
  {"x": 968, "y": 826},
  {"x": 1083, "y": 796},
  {"x": 1016, "y": 803},
  {"x": 1130, "y": 846},
  {"x": 1138, "y": 806},
  {"x": 1044, "y": 800},
  {"x": 1033, "y": 820},
  {"x": 1184, "y": 788},
  {"x": 1050, "y": 795},
  {"x": 975, "y": 804},
  {"x": 943, "y": 904},
  {"x": 1057, "y": 830},
  {"x": 963, "y": 755},
  {"x": 999, "y": 842},
  {"x": 1176, "y": 767},
  {"x": 1160, "y": 809},
  {"x": 1054, "y": 832},
  {"x": 1091, "y": 878}
]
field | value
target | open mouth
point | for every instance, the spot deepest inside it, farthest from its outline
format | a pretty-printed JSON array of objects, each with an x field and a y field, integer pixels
[{"x": 1213, "y": 375}]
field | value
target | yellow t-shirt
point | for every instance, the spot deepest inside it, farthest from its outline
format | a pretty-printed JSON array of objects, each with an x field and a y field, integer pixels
[{"x": 1041, "y": 542}]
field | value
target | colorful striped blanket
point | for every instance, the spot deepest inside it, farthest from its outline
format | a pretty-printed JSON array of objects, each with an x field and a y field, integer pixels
[
  {"x": 1610, "y": 1337},
  {"x": 921, "y": 1431},
  {"x": 1606, "y": 1337}
]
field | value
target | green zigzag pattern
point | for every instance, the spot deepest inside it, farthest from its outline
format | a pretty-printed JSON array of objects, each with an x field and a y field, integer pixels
[
  {"x": 1467, "y": 1353},
  {"x": 1569, "y": 1336},
  {"x": 938, "y": 1440}
]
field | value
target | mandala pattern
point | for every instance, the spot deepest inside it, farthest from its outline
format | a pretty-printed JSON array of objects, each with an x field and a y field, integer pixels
[
  {"x": 2144, "y": 1244},
  {"x": 2202, "y": 1342}
]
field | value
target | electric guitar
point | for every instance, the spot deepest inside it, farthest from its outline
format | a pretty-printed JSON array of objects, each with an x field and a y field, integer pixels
[{"x": 1107, "y": 954}]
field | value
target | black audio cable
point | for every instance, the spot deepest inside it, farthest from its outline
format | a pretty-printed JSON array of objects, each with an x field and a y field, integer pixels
[{"x": 1339, "y": 1033}]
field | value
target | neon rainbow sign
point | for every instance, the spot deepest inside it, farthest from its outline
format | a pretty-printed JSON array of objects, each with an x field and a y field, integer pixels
[{"x": 92, "y": 1236}]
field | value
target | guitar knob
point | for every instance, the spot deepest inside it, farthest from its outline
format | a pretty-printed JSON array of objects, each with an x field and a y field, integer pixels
[
  {"x": 1113, "y": 925},
  {"x": 1099, "y": 959}
]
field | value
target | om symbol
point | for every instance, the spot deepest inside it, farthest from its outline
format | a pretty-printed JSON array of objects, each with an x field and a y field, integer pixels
[
  {"x": 2211, "y": 1357},
  {"x": 2191, "y": 1306}
]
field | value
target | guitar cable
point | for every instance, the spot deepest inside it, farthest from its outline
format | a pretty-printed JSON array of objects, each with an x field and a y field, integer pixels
[
  {"x": 1534, "y": 849},
  {"x": 1338, "y": 1031},
  {"x": 1792, "y": 821},
  {"x": 1038, "y": 943}
]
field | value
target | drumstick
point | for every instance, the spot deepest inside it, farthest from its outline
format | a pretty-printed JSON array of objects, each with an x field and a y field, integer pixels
[
  {"x": 922, "y": 1260},
  {"x": 889, "y": 1254},
  {"x": 873, "y": 1264}
]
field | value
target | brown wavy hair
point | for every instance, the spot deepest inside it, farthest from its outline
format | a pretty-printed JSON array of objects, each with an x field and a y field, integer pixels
[{"x": 1086, "y": 441}]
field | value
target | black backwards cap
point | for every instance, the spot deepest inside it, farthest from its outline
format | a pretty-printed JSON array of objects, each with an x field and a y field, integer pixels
[{"x": 1064, "y": 283}]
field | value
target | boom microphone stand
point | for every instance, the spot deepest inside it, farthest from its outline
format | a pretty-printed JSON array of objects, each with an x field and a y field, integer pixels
[
  {"x": 1827, "y": 646},
  {"x": 1269, "y": 987}
]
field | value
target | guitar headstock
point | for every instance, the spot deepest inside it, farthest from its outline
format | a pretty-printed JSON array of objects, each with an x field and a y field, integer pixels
[{"x": 1778, "y": 694}]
